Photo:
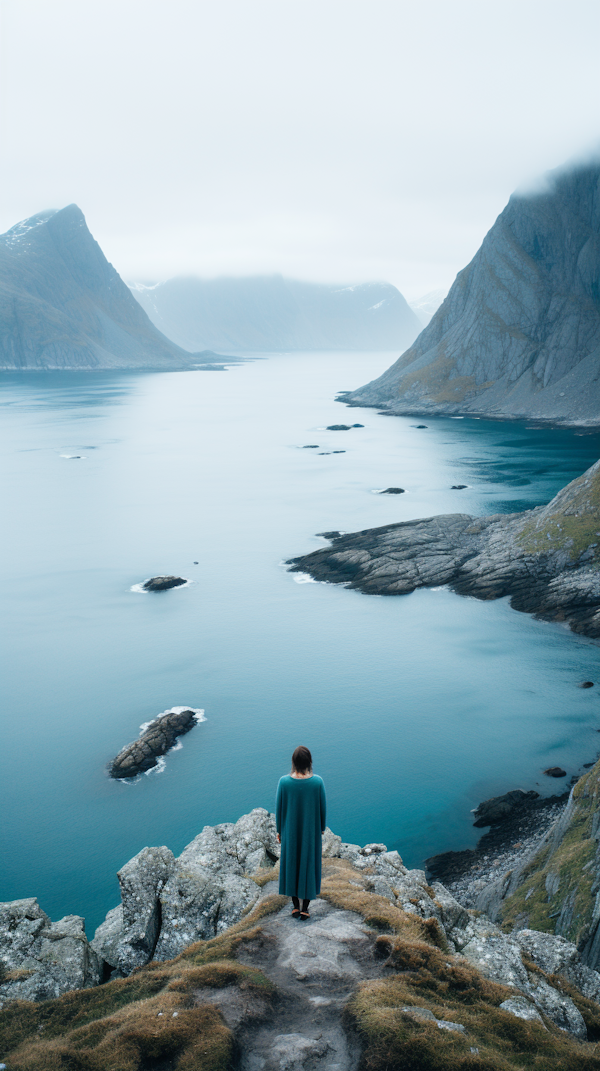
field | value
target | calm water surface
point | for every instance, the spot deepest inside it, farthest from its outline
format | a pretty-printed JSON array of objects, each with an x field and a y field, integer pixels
[{"x": 416, "y": 708}]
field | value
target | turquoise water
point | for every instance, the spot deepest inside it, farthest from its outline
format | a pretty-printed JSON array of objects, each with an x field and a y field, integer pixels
[{"x": 416, "y": 708}]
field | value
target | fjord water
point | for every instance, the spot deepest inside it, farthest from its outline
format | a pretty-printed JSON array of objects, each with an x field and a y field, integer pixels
[{"x": 416, "y": 707}]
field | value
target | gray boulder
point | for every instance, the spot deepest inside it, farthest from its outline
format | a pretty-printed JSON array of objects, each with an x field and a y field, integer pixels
[
  {"x": 128, "y": 936},
  {"x": 169, "y": 903},
  {"x": 108, "y": 935},
  {"x": 522, "y": 1008},
  {"x": 43, "y": 959}
]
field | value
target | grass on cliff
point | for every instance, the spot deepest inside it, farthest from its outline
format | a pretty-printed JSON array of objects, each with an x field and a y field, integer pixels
[
  {"x": 149, "y": 1019},
  {"x": 419, "y": 973},
  {"x": 573, "y": 526},
  {"x": 563, "y": 875},
  {"x": 435, "y": 379},
  {"x": 156, "y": 1017}
]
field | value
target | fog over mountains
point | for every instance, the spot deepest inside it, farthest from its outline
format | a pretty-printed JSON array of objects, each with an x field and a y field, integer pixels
[
  {"x": 62, "y": 305},
  {"x": 270, "y": 313},
  {"x": 519, "y": 332}
]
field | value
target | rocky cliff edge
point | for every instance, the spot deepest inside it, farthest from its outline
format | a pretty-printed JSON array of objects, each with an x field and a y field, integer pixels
[{"x": 212, "y": 972}]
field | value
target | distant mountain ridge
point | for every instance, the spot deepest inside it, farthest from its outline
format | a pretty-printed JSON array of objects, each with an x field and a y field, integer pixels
[
  {"x": 270, "y": 313},
  {"x": 519, "y": 332},
  {"x": 62, "y": 305}
]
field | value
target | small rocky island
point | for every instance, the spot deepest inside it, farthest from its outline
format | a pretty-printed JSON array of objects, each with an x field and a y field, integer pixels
[
  {"x": 163, "y": 583},
  {"x": 547, "y": 559},
  {"x": 156, "y": 739}
]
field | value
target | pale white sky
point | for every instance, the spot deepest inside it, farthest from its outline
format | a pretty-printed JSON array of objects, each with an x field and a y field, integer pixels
[{"x": 336, "y": 140}]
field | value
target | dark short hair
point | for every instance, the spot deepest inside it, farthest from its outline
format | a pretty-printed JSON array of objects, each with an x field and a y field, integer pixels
[{"x": 302, "y": 760}]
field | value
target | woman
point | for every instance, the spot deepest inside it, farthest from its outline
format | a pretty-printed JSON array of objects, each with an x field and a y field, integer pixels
[{"x": 300, "y": 817}]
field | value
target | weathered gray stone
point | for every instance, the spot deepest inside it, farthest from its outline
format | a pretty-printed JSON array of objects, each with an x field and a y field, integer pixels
[
  {"x": 142, "y": 880},
  {"x": 331, "y": 844},
  {"x": 43, "y": 959},
  {"x": 108, "y": 935},
  {"x": 291, "y": 1052},
  {"x": 522, "y": 1008}
]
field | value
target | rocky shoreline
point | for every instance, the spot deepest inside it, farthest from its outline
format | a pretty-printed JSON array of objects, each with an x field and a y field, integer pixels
[
  {"x": 546, "y": 559},
  {"x": 505, "y": 846}
]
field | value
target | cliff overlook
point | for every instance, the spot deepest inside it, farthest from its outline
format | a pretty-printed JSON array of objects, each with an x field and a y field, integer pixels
[
  {"x": 519, "y": 332},
  {"x": 212, "y": 973},
  {"x": 62, "y": 305}
]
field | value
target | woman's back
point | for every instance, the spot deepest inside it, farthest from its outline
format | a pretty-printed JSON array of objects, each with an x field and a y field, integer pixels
[{"x": 301, "y": 819}]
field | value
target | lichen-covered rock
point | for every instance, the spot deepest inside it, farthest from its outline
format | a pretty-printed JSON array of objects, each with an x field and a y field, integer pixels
[
  {"x": 43, "y": 959},
  {"x": 128, "y": 937},
  {"x": 522, "y": 1008},
  {"x": 169, "y": 903},
  {"x": 108, "y": 935},
  {"x": 331, "y": 845}
]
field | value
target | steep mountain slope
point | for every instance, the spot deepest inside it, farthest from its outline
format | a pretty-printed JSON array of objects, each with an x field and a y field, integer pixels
[
  {"x": 519, "y": 333},
  {"x": 271, "y": 313},
  {"x": 556, "y": 889},
  {"x": 62, "y": 305}
]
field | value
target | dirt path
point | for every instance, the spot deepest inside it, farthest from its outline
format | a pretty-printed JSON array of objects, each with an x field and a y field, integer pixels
[{"x": 315, "y": 966}]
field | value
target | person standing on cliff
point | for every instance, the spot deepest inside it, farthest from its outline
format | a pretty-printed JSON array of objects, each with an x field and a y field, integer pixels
[{"x": 300, "y": 815}]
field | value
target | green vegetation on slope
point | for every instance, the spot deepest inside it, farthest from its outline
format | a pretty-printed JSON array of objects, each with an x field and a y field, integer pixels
[
  {"x": 557, "y": 884},
  {"x": 571, "y": 522}
]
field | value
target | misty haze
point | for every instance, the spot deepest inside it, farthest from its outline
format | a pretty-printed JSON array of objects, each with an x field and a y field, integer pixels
[{"x": 300, "y": 308}]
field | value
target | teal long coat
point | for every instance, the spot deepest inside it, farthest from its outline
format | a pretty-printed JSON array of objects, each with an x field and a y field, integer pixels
[{"x": 300, "y": 814}]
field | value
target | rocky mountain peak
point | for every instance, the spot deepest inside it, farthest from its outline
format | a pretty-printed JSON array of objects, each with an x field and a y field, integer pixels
[
  {"x": 519, "y": 332},
  {"x": 62, "y": 305}
]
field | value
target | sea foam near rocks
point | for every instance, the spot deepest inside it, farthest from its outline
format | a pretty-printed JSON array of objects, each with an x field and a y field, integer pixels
[{"x": 139, "y": 589}]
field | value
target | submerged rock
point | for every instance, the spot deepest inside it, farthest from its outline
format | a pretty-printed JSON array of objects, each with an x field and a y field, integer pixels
[
  {"x": 555, "y": 771},
  {"x": 157, "y": 738},
  {"x": 458, "y": 486},
  {"x": 163, "y": 583},
  {"x": 392, "y": 491},
  {"x": 499, "y": 808},
  {"x": 586, "y": 684},
  {"x": 339, "y": 427}
]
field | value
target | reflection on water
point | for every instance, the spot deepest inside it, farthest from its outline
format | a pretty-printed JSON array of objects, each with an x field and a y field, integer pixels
[{"x": 416, "y": 708}]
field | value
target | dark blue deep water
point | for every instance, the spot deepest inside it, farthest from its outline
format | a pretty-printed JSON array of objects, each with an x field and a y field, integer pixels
[{"x": 416, "y": 707}]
